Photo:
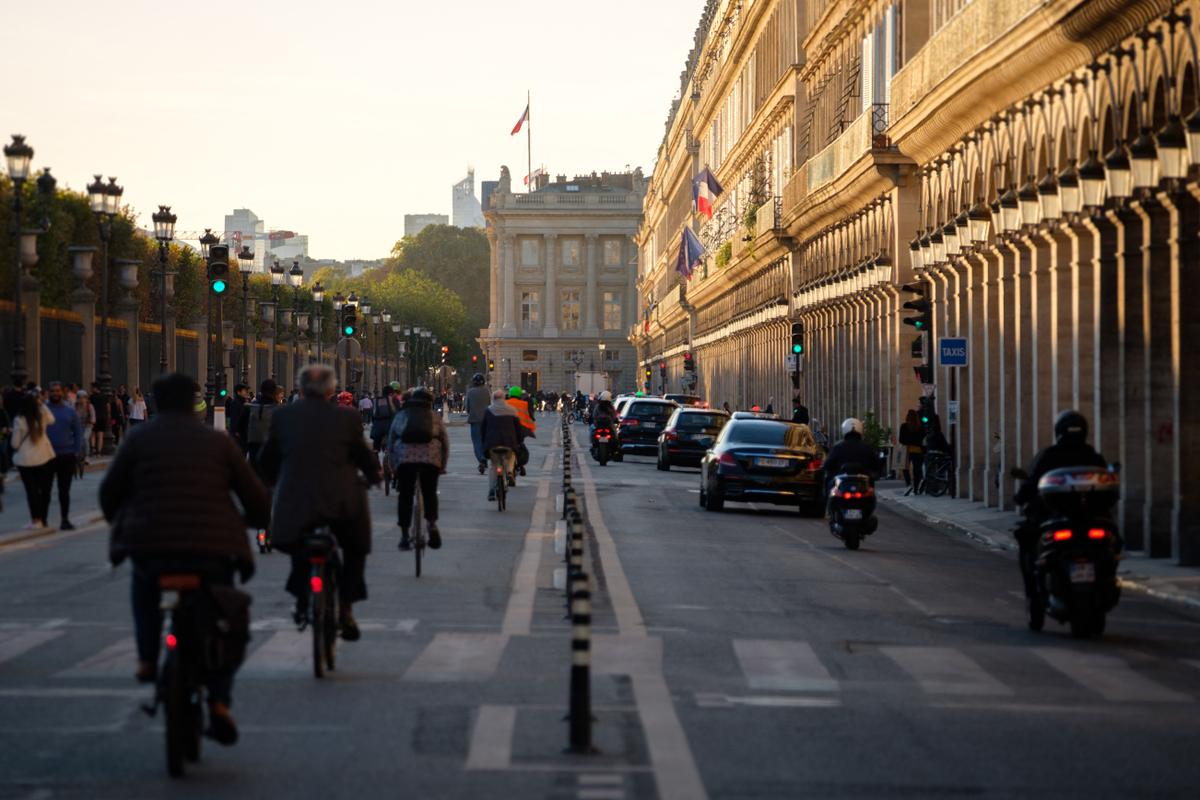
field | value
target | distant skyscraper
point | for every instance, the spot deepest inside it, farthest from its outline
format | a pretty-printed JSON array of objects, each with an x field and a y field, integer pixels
[
  {"x": 467, "y": 211},
  {"x": 415, "y": 223},
  {"x": 243, "y": 227}
]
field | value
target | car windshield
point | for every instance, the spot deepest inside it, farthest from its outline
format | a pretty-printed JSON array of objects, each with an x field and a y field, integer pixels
[
  {"x": 700, "y": 422},
  {"x": 659, "y": 412},
  {"x": 770, "y": 432}
]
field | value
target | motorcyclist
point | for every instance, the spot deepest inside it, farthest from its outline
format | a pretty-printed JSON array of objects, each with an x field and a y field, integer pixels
[
  {"x": 851, "y": 450},
  {"x": 1070, "y": 449},
  {"x": 604, "y": 413}
]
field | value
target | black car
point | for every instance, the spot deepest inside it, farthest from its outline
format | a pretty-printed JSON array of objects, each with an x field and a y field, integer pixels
[
  {"x": 763, "y": 460},
  {"x": 641, "y": 422},
  {"x": 688, "y": 435}
]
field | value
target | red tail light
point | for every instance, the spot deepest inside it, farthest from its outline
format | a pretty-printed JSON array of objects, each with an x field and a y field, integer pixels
[
  {"x": 727, "y": 459},
  {"x": 603, "y": 432},
  {"x": 1062, "y": 535},
  {"x": 172, "y": 642},
  {"x": 316, "y": 584},
  {"x": 1097, "y": 533},
  {"x": 847, "y": 495},
  {"x": 815, "y": 464},
  {"x": 670, "y": 436}
]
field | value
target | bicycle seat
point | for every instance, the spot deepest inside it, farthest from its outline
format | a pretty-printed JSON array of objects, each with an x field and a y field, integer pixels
[
  {"x": 319, "y": 542},
  {"x": 178, "y": 582}
]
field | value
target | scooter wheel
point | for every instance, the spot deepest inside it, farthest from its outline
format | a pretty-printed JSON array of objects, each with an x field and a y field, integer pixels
[{"x": 850, "y": 539}]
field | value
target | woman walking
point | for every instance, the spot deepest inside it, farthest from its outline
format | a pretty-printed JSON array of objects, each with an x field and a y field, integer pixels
[
  {"x": 419, "y": 447},
  {"x": 137, "y": 408},
  {"x": 34, "y": 457},
  {"x": 87, "y": 418}
]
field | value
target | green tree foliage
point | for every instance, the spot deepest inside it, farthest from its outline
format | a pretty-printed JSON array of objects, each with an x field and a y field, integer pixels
[
  {"x": 457, "y": 258},
  {"x": 412, "y": 298}
]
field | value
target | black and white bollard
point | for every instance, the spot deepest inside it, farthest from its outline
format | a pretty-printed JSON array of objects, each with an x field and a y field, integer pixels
[{"x": 580, "y": 714}]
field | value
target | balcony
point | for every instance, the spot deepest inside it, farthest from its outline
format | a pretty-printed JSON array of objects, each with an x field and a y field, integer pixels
[
  {"x": 568, "y": 201},
  {"x": 867, "y": 132}
]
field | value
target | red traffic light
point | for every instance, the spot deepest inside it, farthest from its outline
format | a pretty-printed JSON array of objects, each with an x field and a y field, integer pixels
[
  {"x": 474, "y": 359},
  {"x": 445, "y": 349},
  {"x": 662, "y": 365}
]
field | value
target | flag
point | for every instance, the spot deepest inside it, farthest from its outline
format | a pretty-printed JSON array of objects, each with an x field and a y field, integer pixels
[
  {"x": 524, "y": 118},
  {"x": 691, "y": 254},
  {"x": 705, "y": 190},
  {"x": 536, "y": 173}
]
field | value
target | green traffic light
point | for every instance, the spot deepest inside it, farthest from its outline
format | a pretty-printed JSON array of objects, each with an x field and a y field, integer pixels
[
  {"x": 919, "y": 324},
  {"x": 924, "y": 420},
  {"x": 224, "y": 392},
  {"x": 218, "y": 286},
  {"x": 349, "y": 330},
  {"x": 797, "y": 349}
]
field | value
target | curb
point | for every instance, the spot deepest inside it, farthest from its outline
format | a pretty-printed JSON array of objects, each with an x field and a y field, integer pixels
[
  {"x": 987, "y": 538},
  {"x": 17, "y": 537}
]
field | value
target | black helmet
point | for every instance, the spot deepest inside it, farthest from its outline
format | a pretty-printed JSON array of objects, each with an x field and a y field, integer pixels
[
  {"x": 421, "y": 395},
  {"x": 477, "y": 379},
  {"x": 1070, "y": 423}
]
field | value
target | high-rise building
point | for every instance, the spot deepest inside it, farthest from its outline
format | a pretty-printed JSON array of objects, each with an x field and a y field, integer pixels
[
  {"x": 415, "y": 223},
  {"x": 287, "y": 245},
  {"x": 467, "y": 211},
  {"x": 243, "y": 227}
]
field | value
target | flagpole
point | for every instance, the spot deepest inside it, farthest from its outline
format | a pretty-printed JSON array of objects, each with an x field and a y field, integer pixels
[{"x": 528, "y": 144}]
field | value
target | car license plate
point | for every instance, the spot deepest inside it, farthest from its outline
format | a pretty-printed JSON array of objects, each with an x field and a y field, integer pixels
[
  {"x": 1083, "y": 572},
  {"x": 852, "y": 513},
  {"x": 771, "y": 462},
  {"x": 603, "y": 439},
  {"x": 650, "y": 426}
]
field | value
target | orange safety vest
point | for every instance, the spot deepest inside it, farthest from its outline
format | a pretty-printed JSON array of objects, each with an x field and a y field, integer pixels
[{"x": 522, "y": 409}]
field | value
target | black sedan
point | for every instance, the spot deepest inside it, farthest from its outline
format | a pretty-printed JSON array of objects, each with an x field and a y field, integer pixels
[
  {"x": 763, "y": 460},
  {"x": 641, "y": 422},
  {"x": 688, "y": 435}
]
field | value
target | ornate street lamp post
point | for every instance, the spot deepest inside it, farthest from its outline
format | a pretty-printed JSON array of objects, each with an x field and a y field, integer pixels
[
  {"x": 339, "y": 302},
  {"x": 365, "y": 305},
  {"x": 104, "y": 199},
  {"x": 164, "y": 232},
  {"x": 277, "y": 276},
  {"x": 318, "y": 294},
  {"x": 245, "y": 259},
  {"x": 296, "y": 280},
  {"x": 19, "y": 157},
  {"x": 385, "y": 369},
  {"x": 206, "y": 243}
]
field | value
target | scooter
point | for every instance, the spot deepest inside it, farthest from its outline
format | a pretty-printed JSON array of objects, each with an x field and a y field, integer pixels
[
  {"x": 1078, "y": 549},
  {"x": 852, "y": 508},
  {"x": 601, "y": 444}
]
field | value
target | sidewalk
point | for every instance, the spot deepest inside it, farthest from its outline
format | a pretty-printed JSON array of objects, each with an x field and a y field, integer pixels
[
  {"x": 992, "y": 529},
  {"x": 84, "y": 504}
]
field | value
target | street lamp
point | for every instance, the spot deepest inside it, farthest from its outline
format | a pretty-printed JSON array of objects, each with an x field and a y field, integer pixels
[
  {"x": 104, "y": 199},
  {"x": 364, "y": 305},
  {"x": 296, "y": 280},
  {"x": 164, "y": 232},
  {"x": 277, "y": 275},
  {"x": 245, "y": 259},
  {"x": 385, "y": 369},
  {"x": 19, "y": 156},
  {"x": 318, "y": 294},
  {"x": 206, "y": 244}
]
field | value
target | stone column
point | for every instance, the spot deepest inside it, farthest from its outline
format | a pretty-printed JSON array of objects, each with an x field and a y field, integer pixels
[
  {"x": 629, "y": 310},
  {"x": 509, "y": 315},
  {"x": 978, "y": 447},
  {"x": 992, "y": 326},
  {"x": 1105, "y": 385},
  {"x": 1130, "y": 366},
  {"x": 1009, "y": 344},
  {"x": 1160, "y": 372},
  {"x": 83, "y": 303},
  {"x": 1185, "y": 280},
  {"x": 552, "y": 304},
  {"x": 494, "y": 257},
  {"x": 1081, "y": 318},
  {"x": 589, "y": 301}
]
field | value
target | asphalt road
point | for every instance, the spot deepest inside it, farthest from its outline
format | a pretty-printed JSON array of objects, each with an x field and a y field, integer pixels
[{"x": 737, "y": 654}]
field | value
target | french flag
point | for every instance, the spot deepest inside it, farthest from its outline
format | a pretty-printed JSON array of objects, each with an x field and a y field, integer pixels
[
  {"x": 691, "y": 254},
  {"x": 705, "y": 191}
]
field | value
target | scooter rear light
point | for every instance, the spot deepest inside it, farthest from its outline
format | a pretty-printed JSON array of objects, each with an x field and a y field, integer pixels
[
  {"x": 316, "y": 583},
  {"x": 172, "y": 642},
  {"x": 1097, "y": 533},
  {"x": 847, "y": 495},
  {"x": 815, "y": 464},
  {"x": 1061, "y": 535}
]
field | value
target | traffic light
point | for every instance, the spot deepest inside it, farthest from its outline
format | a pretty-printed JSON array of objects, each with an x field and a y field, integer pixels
[
  {"x": 445, "y": 352},
  {"x": 923, "y": 321},
  {"x": 491, "y": 365},
  {"x": 797, "y": 338},
  {"x": 689, "y": 363},
  {"x": 349, "y": 321},
  {"x": 662, "y": 370},
  {"x": 924, "y": 374},
  {"x": 649, "y": 373},
  {"x": 928, "y": 412},
  {"x": 918, "y": 347},
  {"x": 474, "y": 360},
  {"x": 218, "y": 269}
]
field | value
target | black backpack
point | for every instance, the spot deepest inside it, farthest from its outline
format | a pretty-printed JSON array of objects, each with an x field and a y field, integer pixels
[{"x": 418, "y": 425}]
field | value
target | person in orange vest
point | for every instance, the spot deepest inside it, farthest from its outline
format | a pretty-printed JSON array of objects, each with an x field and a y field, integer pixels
[{"x": 528, "y": 426}]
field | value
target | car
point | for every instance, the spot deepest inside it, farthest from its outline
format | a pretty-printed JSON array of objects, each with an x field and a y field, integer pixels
[
  {"x": 688, "y": 435},
  {"x": 641, "y": 422},
  {"x": 685, "y": 399},
  {"x": 756, "y": 459},
  {"x": 755, "y": 415}
]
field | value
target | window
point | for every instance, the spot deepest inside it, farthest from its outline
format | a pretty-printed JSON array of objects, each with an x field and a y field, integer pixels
[
  {"x": 612, "y": 311},
  {"x": 529, "y": 355},
  {"x": 612, "y": 252},
  {"x": 570, "y": 310},
  {"x": 529, "y": 252},
  {"x": 570, "y": 252},
  {"x": 612, "y": 355},
  {"x": 529, "y": 309}
]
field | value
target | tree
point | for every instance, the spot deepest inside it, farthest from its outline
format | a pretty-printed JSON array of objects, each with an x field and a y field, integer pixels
[{"x": 457, "y": 258}]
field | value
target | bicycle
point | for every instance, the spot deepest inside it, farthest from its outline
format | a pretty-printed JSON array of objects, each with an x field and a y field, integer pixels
[
  {"x": 937, "y": 473},
  {"x": 321, "y": 548},
  {"x": 418, "y": 526},
  {"x": 499, "y": 457}
]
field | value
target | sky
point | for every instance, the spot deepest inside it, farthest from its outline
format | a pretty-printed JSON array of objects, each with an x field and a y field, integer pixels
[{"x": 335, "y": 119}]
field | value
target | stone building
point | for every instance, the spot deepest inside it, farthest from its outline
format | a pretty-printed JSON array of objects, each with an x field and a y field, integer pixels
[
  {"x": 1033, "y": 167},
  {"x": 563, "y": 267}
]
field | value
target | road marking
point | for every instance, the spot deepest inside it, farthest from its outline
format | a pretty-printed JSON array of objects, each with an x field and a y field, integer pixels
[
  {"x": 458, "y": 657},
  {"x": 782, "y": 665},
  {"x": 17, "y": 643},
  {"x": 715, "y": 700},
  {"x": 67, "y": 693},
  {"x": 285, "y": 651},
  {"x": 944, "y": 670},
  {"x": 518, "y": 615},
  {"x": 118, "y": 660},
  {"x": 1109, "y": 676},
  {"x": 491, "y": 739},
  {"x": 600, "y": 779},
  {"x": 600, "y": 794}
]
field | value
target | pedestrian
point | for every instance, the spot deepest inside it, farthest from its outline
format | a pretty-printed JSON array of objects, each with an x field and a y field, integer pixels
[
  {"x": 101, "y": 419},
  {"x": 365, "y": 408},
  {"x": 34, "y": 457},
  {"x": 419, "y": 449},
  {"x": 479, "y": 396},
  {"x": 137, "y": 408},
  {"x": 255, "y": 421},
  {"x": 799, "y": 412},
  {"x": 912, "y": 438},
  {"x": 235, "y": 406},
  {"x": 66, "y": 437}
]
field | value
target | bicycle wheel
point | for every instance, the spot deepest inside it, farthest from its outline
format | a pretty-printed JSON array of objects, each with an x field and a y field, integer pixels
[
  {"x": 418, "y": 530},
  {"x": 178, "y": 717},
  {"x": 316, "y": 607},
  {"x": 330, "y": 596}
]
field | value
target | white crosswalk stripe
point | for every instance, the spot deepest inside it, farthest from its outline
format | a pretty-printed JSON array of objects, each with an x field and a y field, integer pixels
[
  {"x": 782, "y": 665},
  {"x": 458, "y": 657},
  {"x": 287, "y": 651},
  {"x": 117, "y": 660},
  {"x": 14, "y": 643},
  {"x": 1109, "y": 676},
  {"x": 944, "y": 670}
]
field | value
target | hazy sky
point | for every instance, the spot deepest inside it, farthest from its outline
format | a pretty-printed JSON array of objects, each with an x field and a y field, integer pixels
[{"x": 335, "y": 119}]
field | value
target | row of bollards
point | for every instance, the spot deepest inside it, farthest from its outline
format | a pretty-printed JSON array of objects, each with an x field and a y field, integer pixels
[{"x": 579, "y": 608}]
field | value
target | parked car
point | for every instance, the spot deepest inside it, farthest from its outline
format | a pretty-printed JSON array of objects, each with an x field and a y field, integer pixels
[
  {"x": 685, "y": 399},
  {"x": 757, "y": 459},
  {"x": 688, "y": 435},
  {"x": 641, "y": 422}
]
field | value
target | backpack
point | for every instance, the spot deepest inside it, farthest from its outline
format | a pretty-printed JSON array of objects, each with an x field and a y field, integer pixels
[
  {"x": 259, "y": 422},
  {"x": 418, "y": 425},
  {"x": 383, "y": 409}
]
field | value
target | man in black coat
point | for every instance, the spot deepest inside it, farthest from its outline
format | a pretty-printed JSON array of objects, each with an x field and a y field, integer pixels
[
  {"x": 317, "y": 459},
  {"x": 176, "y": 514}
]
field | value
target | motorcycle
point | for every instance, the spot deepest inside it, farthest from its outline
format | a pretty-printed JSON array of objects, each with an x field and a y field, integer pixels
[
  {"x": 601, "y": 445},
  {"x": 1078, "y": 549},
  {"x": 852, "y": 508}
]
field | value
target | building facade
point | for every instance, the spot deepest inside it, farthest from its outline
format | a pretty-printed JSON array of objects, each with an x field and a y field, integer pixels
[
  {"x": 563, "y": 267},
  {"x": 1029, "y": 168},
  {"x": 415, "y": 223},
  {"x": 467, "y": 212},
  {"x": 243, "y": 227}
]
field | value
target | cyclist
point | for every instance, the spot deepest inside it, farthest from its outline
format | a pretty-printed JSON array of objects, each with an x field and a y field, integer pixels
[
  {"x": 317, "y": 458},
  {"x": 518, "y": 400},
  {"x": 172, "y": 514},
  {"x": 501, "y": 428},
  {"x": 382, "y": 414},
  {"x": 419, "y": 448}
]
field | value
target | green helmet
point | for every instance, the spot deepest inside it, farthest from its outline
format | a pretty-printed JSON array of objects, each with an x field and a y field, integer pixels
[
  {"x": 640, "y": 394},
  {"x": 514, "y": 391}
]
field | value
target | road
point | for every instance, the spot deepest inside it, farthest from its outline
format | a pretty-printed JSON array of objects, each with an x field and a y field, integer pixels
[{"x": 742, "y": 654}]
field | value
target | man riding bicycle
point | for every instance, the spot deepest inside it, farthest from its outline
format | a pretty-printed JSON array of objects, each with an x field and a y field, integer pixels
[
  {"x": 176, "y": 515},
  {"x": 419, "y": 448},
  {"x": 502, "y": 434},
  {"x": 318, "y": 460}
]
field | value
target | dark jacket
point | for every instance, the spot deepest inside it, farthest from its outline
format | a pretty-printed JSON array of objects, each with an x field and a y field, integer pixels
[
  {"x": 313, "y": 456},
  {"x": 501, "y": 430},
  {"x": 605, "y": 412},
  {"x": 66, "y": 434},
  {"x": 1066, "y": 453},
  {"x": 167, "y": 493},
  {"x": 478, "y": 400},
  {"x": 852, "y": 450}
]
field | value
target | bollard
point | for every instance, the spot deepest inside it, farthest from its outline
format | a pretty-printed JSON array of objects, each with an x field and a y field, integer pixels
[
  {"x": 580, "y": 713},
  {"x": 575, "y": 544},
  {"x": 569, "y": 500}
]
